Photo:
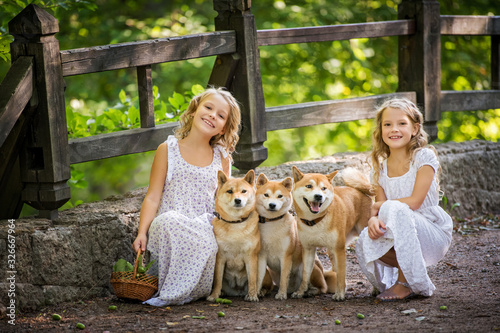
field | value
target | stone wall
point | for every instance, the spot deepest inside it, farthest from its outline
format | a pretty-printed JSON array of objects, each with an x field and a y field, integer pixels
[{"x": 71, "y": 258}]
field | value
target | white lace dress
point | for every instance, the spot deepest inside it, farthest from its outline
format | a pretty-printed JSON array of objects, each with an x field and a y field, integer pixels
[
  {"x": 420, "y": 238},
  {"x": 181, "y": 239}
]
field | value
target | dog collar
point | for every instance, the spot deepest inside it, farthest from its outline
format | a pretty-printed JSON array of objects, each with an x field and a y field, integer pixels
[
  {"x": 263, "y": 219},
  {"x": 312, "y": 222},
  {"x": 237, "y": 221}
]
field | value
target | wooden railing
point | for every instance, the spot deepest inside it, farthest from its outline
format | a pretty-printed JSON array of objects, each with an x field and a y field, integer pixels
[{"x": 44, "y": 157}]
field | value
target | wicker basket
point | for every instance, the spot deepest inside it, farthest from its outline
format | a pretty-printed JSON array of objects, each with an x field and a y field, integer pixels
[{"x": 128, "y": 285}]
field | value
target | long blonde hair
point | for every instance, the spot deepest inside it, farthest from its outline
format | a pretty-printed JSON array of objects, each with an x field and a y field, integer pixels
[
  {"x": 230, "y": 137},
  {"x": 381, "y": 151}
]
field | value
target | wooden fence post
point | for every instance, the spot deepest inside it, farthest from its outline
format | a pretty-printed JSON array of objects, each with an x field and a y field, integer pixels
[
  {"x": 245, "y": 80},
  {"x": 495, "y": 62},
  {"x": 419, "y": 63},
  {"x": 44, "y": 159}
]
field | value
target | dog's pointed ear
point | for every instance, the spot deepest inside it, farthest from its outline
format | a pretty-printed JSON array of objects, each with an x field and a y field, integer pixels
[
  {"x": 221, "y": 178},
  {"x": 331, "y": 175},
  {"x": 250, "y": 177},
  {"x": 287, "y": 183},
  {"x": 297, "y": 175},
  {"x": 261, "y": 180}
]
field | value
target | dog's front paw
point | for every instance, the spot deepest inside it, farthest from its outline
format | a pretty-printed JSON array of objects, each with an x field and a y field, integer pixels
[
  {"x": 281, "y": 295},
  {"x": 212, "y": 297},
  {"x": 251, "y": 298},
  {"x": 297, "y": 295},
  {"x": 339, "y": 296}
]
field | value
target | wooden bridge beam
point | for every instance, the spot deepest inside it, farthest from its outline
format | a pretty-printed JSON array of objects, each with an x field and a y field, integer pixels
[
  {"x": 44, "y": 157},
  {"x": 245, "y": 81},
  {"x": 419, "y": 63}
]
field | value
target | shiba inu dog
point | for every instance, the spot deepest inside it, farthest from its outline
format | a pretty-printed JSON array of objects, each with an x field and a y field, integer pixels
[
  {"x": 236, "y": 229},
  {"x": 280, "y": 247},
  {"x": 329, "y": 217}
]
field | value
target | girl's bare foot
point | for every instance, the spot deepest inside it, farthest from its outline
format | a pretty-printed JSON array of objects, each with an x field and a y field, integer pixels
[{"x": 398, "y": 291}]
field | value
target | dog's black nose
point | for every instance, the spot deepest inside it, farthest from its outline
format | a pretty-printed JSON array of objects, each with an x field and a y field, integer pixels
[
  {"x": 318, "y": 197},
  {"x": 237, "y": 201},
  {"x": 272, "y": 206}
]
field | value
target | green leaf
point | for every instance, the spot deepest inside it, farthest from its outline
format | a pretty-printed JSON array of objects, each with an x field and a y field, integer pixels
[
  {"x": 122, "y": 96},
  {"x": 197, "y": 89},
  {"x": 176, "y": 100}
]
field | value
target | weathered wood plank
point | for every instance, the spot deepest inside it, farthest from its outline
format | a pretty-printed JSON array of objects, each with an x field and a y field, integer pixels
[
  {"x": 223, "y": 71},
  {"x": 137, "y": 140},
  {"x": 44, "y": 158},
  {"x": 495, "y": 62},
  {"x": 470, "y": 25},
  {"x": 128, "y": 55},
  {"x": 335, "y": 32},
  {"x": 335, "y": 111},
  {"x": 16, "y": 90},
  {"x": 419, "y": 59},
  {"x": 146, "y": 99},
  {"x": 470, "y": 100},
  {"x": 246, "y": 84}
]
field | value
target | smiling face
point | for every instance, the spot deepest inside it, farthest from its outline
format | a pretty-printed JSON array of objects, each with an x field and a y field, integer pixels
[
  {"x": 397, "y": 128},
  {"x": 312, "y": 193},
  {"x": 211, "y": 115}
]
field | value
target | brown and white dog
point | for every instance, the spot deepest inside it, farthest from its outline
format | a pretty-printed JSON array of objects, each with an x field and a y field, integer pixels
[
  {"x": 236, "y": 229},
  {"x": 329, "y": 217},
  {"x": 280, "y": 249}
]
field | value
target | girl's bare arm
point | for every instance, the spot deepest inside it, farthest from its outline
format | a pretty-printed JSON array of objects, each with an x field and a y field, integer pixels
[
  {"x": 423, "y": 182},
  {"x": 153, "y": 196}
]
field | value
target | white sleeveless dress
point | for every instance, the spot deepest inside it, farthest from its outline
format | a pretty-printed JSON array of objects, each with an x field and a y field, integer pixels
[
  {"x": 420, "y": 238},
  {"x": 181, "y": 238}
]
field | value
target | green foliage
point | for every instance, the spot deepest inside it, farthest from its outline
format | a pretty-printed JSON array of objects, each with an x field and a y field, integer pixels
[
  {"x": 10, "y": 8},
  {"x": 107, "y": 102},
  {"x": 83, "y": 122}
]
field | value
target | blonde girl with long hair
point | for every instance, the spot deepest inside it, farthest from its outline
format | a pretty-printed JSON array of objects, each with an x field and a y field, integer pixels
[
  {"x": 408, "y": 231},
  {"x": 176, "y": 215}
]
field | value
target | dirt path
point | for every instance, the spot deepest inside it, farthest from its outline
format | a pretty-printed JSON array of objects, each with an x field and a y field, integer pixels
[{"x": 467, "y": 281}]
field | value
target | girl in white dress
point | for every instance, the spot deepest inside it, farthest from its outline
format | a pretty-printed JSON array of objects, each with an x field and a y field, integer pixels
[
  {"x": 177, "y": 209},
  {"x": 408, "y": 231}
]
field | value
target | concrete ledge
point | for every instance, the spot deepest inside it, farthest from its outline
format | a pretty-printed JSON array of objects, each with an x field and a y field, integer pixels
[{"x": 71, "y": 258}]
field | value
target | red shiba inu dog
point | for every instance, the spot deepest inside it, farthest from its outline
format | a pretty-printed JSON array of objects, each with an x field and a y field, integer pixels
[
  {"x": 280, "y": 247},
  {"x": 236, "y": 229},
  {"x": 329, "y": 217}
]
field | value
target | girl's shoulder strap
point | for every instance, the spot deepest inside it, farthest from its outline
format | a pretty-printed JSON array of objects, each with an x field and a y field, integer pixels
[
  {"x": 221, "y": 150},
  {"x": 171, "y": 143}
]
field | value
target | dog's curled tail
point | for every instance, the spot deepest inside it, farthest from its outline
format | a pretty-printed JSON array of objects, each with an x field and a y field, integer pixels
[{"x": 354, "y": 178}]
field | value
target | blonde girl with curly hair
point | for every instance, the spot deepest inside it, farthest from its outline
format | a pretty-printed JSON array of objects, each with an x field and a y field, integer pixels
[
  {"x": 176, "y": 215},
  {"x": 408, "y": 231}
]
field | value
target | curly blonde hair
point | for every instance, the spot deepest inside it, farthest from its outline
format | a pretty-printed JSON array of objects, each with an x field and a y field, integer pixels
[
  {"x": 230, "y": 137},
  {"x": 381, "y": 151}
]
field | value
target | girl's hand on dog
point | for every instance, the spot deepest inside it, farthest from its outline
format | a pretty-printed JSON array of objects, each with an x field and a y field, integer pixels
[
  {"x": 376, "y": 228},
  {"x": 140, "y": 243}
]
